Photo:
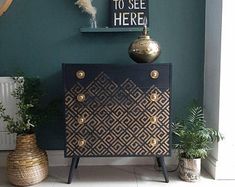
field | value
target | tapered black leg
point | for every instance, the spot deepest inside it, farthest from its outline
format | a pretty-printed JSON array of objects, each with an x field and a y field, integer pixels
[
  {"x": 162, "y": 162},
  {"x": 158, "y": 162},
  {"x": 77, "y": 161},
  {"x": 72, "y": 167}
]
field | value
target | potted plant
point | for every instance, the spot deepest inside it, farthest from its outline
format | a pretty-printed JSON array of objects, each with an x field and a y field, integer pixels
[
  {"x": 27, "y": 164},
  {"x": 194, "y": 140}
]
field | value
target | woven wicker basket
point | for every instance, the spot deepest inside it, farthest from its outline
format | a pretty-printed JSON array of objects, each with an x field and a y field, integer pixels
[{"x": 27, "y": 164}]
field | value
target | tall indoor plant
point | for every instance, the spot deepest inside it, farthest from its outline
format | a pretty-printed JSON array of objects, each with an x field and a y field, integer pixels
[
  {"x": 194, "y": 142},
  {"x": 27, "y": 164}
]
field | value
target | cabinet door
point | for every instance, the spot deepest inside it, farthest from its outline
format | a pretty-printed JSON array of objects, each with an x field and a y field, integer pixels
[{"x": 117, "y": 110}]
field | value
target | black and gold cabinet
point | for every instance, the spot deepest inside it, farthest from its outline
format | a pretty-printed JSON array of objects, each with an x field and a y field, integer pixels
[{"x": 117, "y": 111}]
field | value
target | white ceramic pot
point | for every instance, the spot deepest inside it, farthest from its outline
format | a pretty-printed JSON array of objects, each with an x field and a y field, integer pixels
[{"x": 190, "y": 169}]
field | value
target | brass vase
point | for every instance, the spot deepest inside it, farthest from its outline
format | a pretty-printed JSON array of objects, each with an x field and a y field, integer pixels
[
  {"x": 144, "y": 49},
  {"x": 27, "y": 164}
]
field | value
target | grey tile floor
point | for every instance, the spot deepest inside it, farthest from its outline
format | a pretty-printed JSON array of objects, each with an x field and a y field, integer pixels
[{"x": 116, "y": 176}]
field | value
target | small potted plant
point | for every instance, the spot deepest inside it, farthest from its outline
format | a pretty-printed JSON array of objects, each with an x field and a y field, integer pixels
[
  {"x": 194, "y": 140},
  {"x": 27, "y": 164}
]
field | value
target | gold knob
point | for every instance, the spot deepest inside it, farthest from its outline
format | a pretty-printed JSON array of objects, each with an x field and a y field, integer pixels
[
  {"x": 154, "y": 97},
  {"x": 153, "y": 142},
  {"x": 81, "y": 121},
  {"x": 154, "y": 74},
  {"x": 80, "y": 74},
  {"x": 81, "y": 97},
  {"x": 81, "y": 143},
  {"x": 153, "y": 119}
]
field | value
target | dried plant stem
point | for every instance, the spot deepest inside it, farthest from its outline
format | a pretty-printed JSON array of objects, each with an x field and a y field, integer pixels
[{"x": 87, "y": 7}]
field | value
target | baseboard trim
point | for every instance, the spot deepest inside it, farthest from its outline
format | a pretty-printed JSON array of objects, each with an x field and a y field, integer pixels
[
  {"x": 219, "y": 169},
  {"x": 56, "y": 158},
  {"x": 209, "y": 164}
]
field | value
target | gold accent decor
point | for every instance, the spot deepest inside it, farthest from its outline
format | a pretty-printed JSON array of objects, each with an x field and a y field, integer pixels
[
  {"x": 81, "y": 97},
  {"x": 81, "y": 143},
  {"x": 153, "y": 119},
  {"x": 81, "y": 121},
  {"x": 27, "y": 164},
  {"x": 144, "y": 49},
  {"x": 154, "y": 97},
  {"x": 80, "y": 74},
  {"x": 154, "y": 74},
  {"x": 153, "y": 142}
]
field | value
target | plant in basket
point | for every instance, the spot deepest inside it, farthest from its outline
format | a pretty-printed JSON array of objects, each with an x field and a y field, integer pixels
[{"x": 27, "y": 164}]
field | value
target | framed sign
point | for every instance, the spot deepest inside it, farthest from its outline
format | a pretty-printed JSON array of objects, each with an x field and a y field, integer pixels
[{"x": 128, "y": 13}]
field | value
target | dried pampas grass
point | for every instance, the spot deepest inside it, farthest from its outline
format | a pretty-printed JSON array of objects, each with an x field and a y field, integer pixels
[{"x": 86, "y": 5}]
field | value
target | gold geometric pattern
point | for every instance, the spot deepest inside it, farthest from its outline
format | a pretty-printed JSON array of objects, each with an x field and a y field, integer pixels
[{"x": 117, "y": 119}]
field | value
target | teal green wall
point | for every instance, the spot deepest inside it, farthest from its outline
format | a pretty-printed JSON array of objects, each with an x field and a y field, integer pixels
[{"x": 37, "y": 36}]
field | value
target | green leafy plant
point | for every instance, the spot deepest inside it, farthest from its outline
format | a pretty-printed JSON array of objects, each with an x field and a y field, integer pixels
[
  {"x": 29, "y": 115},
  {"x": 194, "y": 138}
]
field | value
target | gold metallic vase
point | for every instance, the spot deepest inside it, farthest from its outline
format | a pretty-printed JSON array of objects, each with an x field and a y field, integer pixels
[{"x": 144, "y": 49}]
